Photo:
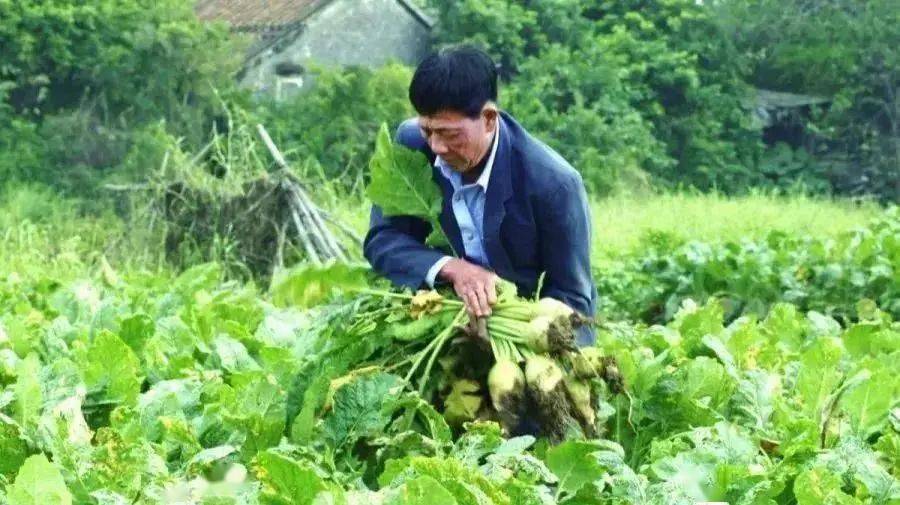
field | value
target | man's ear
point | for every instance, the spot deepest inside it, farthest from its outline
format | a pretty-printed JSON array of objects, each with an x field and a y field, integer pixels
[{"x": 491, "y": 116}]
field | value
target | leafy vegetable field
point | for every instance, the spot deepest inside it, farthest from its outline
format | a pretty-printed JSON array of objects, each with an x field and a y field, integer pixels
[
  {"x": 779, "y": 387},
  {"x": 829, "y": 275},
  {"x": 137, "y": 388}
]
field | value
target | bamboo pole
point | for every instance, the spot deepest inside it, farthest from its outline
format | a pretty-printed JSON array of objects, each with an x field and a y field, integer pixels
[{"x": 305, "y": 212}]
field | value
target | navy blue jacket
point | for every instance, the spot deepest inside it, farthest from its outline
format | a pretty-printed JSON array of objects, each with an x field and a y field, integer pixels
[{"x": 536, "y": 219}]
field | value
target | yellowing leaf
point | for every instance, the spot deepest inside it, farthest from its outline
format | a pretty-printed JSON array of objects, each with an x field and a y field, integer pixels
[
  {"x": 463, "y": 402},
  {"x": 425, "y": 302}
]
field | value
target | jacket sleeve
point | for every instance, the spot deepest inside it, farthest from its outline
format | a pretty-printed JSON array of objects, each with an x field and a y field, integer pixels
[
  {"x": 565, "y": 228},
  {"x": 395, "y": 245}
]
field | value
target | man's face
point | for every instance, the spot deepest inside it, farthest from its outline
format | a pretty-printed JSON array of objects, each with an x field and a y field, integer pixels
[{"x": 459, "y": 140}]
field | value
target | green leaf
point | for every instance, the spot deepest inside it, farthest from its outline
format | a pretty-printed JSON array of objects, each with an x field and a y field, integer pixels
[
  {"x": 12, "y": 446},
  {"x": 121, "y": 461},
  {"x": 360, "y": 408},
  {"x": 28, "y": 393},
  {"x": 889, "y": 447},
  {"x": 39, "y": 482},
  {"x": 692, "y": 472},
  {"x": 703, "y": 386},
  {"x": 197, "y": 278},
  {"x": 467, "y": 485},
  {"x": 436, "y": 238},
  {"x": 818, "y": 486},
  {"x": 575, "y": 464},
  {"x": 431, "y": 420},
  {"x": 425, "y": 326},
  {"x": 755, "y": 398},
  {"x": 424, "y": 490},
  {"x": 480, "y": 439},
  {"x": 136, "y": 330},
  {"x": 309, "y": 285},
  {"x": 822, "y": 325},
  {"x": 694, "y": 323},
  {"x": 853, "y": 459},
  {"x": 785, "y": 327},
  {"x": 819, "y": 375},
  {"x": 402, "y": 185},
  {"x": 525, "y": 467},
  {"x": 112, "y": 368},
  {"x": 869, "y": 402},
  {"x": 287, "y": 481},
  {"x": 878, "y": 483},
  {"x": 258, "y": 410},
  {"x": 231, "y": 355}
]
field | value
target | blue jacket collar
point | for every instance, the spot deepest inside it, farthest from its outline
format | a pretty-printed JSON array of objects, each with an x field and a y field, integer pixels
[{"x": 499, "y": 191}]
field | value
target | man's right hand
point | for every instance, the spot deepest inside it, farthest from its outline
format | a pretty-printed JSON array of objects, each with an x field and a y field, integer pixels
[{"x": 476, "y": 286}]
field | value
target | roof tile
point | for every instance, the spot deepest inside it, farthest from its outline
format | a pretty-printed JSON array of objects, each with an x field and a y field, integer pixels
[{"x": 256, "y": 13}]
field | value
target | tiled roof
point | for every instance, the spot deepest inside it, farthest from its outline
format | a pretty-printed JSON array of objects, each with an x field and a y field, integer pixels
[{"x": 251, "y": 14}]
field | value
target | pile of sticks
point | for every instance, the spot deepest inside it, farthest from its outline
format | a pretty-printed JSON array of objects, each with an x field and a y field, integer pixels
[
  {"x": 264, "y": 222},
  {"x": 308, "y": 220}
]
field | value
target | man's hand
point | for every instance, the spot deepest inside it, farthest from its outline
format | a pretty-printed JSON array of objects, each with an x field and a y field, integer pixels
[{"x": 473, "y": 284}]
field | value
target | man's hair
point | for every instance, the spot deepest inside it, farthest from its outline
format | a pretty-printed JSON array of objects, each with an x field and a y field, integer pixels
[{"x": 459, "y": 78}]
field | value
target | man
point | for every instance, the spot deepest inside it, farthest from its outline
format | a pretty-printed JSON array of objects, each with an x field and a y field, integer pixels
[{"x": 512, "y": 207}]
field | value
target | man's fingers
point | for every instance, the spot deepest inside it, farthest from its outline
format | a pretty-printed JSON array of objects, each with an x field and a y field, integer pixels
[
  {"x": 478, "y": 290},
  {"x": 484, "y": 308},
  {"x": 471, "y": 301},
  {"x": 464, "y": 296},
  {"x": 492, "y": 290}
]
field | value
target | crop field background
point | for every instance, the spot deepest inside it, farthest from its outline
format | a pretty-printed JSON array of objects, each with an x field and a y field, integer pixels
[{"x": 165, "y": 337}]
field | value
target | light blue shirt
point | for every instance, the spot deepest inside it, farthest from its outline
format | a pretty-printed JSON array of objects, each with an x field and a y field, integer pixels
[{"x": 468, "y": 209}]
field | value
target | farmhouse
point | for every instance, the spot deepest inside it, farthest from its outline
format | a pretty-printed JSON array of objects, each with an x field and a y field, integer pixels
[{"x": 289, "y": 35}]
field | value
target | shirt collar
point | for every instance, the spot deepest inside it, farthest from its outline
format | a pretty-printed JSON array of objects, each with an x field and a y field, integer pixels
[{"x": 485, "y": 176}]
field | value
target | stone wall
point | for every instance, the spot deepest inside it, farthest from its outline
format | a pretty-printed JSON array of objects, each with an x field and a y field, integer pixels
[{"x": 343, "y": 32}]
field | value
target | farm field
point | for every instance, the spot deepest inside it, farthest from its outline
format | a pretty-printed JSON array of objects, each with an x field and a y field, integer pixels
[
  {"x": 187, "y": 316},
  {"x": 126, "y": 382}
]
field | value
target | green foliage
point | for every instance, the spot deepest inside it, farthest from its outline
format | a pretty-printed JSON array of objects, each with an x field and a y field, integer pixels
[
  {"x": 353, "y": 103},
  {"x": 566, "y": 97},
  {"x": 152, "y": 385},
  {"x": 287, "y": 481},
  {"x": 621, "y": 88},
  {"x": 39, "y": 482},
  {"x": 575, "y": 465},
  {"x": 79, "y": 79},
  {"x": 360, "y": 409},
  {"x": 686, "y": 69},
  {"x": 111, "y": 370},
  {"x": 308, "y": 286},
  {"x": 633, "y": 93},
  {"x": 401, "y": 185},
  {"x": 828, "y": 275},
  {"x": 61, "y": 52},
  {"x": 841, "y": 51}
]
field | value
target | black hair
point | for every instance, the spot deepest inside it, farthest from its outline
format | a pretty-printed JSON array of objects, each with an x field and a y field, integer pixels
[{"x": 459, "y": 78}]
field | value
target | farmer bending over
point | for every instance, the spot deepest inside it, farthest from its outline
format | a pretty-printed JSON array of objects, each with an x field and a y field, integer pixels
[{"x": 512, "y": 207}]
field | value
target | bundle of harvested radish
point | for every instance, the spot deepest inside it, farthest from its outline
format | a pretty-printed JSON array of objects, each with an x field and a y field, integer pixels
[
  {"x": 538, "y": 380},
  {"x": 554, "y": 392}
]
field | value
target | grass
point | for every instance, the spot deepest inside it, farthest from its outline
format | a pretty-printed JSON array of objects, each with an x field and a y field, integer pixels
[
  {"x": 44, "y": 233},
  {"x": 619, "y": 223}
]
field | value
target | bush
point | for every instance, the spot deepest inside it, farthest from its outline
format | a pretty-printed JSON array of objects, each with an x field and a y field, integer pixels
[
  {"x": 80, "y": 77},
  {"x": 845, "y": 51},
  {"x": 352, "y": 103}
]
